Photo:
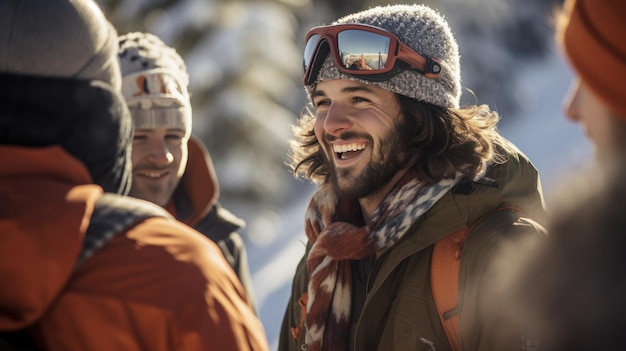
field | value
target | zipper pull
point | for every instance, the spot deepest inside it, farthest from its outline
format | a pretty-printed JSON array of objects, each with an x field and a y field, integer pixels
[{"x": 430, "y": 344}]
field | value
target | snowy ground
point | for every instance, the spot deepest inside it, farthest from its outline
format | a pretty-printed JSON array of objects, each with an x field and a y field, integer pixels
[{"x": 554, "y": 144}]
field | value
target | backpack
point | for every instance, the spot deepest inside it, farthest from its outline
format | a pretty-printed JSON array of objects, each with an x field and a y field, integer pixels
[
  {"x": 113, "y": 214},
  {"x": 445, "y": 267}
]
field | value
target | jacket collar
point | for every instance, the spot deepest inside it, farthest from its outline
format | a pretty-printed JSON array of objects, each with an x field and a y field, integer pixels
[{"x": 198, "y": 189}]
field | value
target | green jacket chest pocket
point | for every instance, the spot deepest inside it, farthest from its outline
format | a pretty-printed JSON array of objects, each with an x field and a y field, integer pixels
[{"x": 414, "y": 324}]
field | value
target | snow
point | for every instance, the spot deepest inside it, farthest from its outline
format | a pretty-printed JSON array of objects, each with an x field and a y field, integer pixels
[{"x": 272, "y": 266}]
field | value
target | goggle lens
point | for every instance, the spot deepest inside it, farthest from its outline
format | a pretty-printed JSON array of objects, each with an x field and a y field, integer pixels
[
  {"x": 309, "y": 50},
  {"x": 360, "y": 50}
]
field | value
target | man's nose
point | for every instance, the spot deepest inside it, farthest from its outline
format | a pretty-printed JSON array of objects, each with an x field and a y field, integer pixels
[
  {"x": 337, "y": 119},
  {"x": 160, "y": 154}
]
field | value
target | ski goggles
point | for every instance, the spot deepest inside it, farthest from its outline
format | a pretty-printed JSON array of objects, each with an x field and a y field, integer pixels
[{"x": 362, "y": 51}]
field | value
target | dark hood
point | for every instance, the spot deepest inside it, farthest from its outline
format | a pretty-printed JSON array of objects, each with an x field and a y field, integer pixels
[{"x": 87, "y": 118}]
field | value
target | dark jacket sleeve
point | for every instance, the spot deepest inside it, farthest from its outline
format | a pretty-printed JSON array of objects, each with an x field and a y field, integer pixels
[{"x": 234, "y": 250}]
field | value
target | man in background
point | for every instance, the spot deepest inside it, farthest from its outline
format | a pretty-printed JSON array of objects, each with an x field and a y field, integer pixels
[
  {"x": 171, "y": 167},
  {"x": 82, "y": 266}
]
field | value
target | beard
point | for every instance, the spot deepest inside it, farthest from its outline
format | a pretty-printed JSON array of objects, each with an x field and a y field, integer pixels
[
  {"x": 159, "y": 194},
  {"x": 386, "y": 162}
]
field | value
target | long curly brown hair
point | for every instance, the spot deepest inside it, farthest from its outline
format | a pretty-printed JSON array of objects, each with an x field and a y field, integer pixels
[{"x": 440, "y": 141}]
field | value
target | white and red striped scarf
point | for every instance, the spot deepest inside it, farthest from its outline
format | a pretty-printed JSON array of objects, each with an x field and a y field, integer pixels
[{"x": 335, "y": 241}]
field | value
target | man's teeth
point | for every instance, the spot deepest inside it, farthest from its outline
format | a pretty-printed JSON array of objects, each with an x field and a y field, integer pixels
[
  {"x": 153, "y": 175},
  {"x": 348, "y": 147}
]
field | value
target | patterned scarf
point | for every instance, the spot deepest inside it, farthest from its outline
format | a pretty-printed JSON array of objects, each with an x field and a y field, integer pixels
[{"x": 335, "y": 241}]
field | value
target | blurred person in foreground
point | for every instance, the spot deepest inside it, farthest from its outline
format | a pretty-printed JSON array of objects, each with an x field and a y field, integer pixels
[
  {"x": 171, "y": 167},
  {"x": 572, "y": 289},
  {"x": 400, "y": 165},
  {"x": 82, "y": 266}
]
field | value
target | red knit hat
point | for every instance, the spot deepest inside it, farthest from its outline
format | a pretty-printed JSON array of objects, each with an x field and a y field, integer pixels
[{"x": 594, "y": 42}]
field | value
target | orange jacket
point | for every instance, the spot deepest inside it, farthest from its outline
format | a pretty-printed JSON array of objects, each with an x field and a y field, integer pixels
[{"x": 158, "y": 286}]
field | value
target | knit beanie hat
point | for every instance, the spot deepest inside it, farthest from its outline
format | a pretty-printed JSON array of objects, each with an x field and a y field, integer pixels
[
  {"x": 58, "y": 38},
  {"x": 154, "y": 83},
  {"x": 423, "y": 30},
  {"x": 594, "y": 42}
]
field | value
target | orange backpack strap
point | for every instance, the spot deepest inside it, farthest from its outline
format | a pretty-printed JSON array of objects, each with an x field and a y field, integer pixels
[
  {"x": 444, "y": 273},
  {"x": 444, "y": 279}
]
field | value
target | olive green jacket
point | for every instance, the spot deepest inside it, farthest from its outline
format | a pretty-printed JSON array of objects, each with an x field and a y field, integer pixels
[{"x": 399, "y": 311}]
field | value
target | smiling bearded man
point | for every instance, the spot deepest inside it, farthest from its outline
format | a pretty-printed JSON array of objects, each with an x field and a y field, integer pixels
[{"x": 400, "y": 166}]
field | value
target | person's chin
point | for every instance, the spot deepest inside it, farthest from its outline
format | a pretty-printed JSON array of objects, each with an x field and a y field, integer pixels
[{"x": 153, "y": 197}]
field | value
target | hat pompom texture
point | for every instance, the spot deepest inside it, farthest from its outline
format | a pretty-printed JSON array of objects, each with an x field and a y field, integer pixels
[
  {"x": 66, "y": 39},
  {"x": 154, "y": 82},
  {"x": 140, "y": 52},
  {"x": 423, "y": 30}
]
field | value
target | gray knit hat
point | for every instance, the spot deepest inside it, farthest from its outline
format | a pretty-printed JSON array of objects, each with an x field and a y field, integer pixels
[
  {"x": 423, "y": 30},
  {"x": 58, "y": 38},
  {"x": 154, "y": 82}
]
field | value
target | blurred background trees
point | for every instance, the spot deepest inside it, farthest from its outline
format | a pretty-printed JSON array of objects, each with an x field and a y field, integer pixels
[{"x": 244, "y": 60}]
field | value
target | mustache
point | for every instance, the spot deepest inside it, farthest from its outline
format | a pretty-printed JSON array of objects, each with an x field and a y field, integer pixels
[{"x": 347, "y": 136}]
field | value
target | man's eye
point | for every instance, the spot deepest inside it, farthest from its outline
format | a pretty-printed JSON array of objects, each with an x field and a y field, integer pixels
[
  {"x": 174, "y": 137},
  {"x": 321, "y": 103}
]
